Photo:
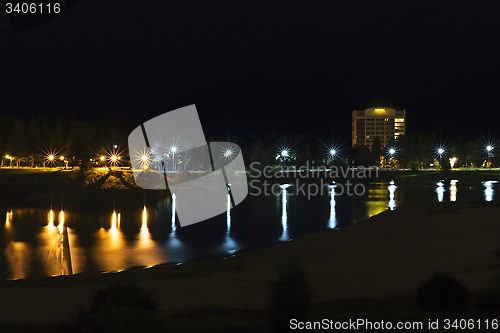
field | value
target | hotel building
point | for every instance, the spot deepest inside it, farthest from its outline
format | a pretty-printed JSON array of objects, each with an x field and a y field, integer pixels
[{"x": 386, "y": 123}]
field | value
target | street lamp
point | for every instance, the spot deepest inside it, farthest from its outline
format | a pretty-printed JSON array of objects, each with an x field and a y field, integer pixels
[
  {"x": 174, "y": 150},
  {"x": 489, "y": 152}
]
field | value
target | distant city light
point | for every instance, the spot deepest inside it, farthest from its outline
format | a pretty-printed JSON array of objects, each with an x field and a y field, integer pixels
[
  {"x": 392, "y": 151},
  {"x": 61, "y": 158},
  {"x": 284, "y": 153},
  {"x": 452, "y": 161},
  {"x": 440, "y": 151},
  {"x": 333, "y": 152},
  {"x": 114, "y": 158},
  {"x": 102, "y": 158},
  {"x": 51, "y": 157}
]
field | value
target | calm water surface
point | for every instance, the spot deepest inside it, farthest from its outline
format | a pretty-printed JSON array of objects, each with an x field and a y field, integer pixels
[{"x": 37, "y": 242}]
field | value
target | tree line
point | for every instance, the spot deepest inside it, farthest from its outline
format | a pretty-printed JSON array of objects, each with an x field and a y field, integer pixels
[{"x": 28, "y": 143}]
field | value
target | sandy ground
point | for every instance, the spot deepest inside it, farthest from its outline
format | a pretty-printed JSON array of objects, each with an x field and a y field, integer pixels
[{"x": 387, "y": 255}]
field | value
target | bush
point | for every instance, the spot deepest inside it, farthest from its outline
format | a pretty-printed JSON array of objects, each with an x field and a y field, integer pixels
[
  {"x": 442, "y": 293},
  {"x": 290, "y": 297},
  {"x": 127, "y": 308}
]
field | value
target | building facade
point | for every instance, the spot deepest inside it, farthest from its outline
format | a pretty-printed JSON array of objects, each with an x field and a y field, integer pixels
[{"x": 385, "y": 123}]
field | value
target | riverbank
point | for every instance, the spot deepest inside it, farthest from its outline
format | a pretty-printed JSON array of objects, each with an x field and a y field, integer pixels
[
  {"x": 382, "y": 259},
  {"x": 362, "y": 175}
]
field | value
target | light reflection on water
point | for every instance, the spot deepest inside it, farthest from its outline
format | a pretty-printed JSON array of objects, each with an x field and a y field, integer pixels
[
  {"x": 60, "y": 246},
  {"x": 377, "y": 199},
  {"x": 228, "y": 214},
  {"x": 453, "y": 190},
  {"x": 392, "y": 201},
  {"x": 440, "y": 191},
  {"x": 284, "y": 215},
  {"x": 488, "y": 190},
  {"x": 173, "y": 212},
  {"x": 332, "y": 222}
]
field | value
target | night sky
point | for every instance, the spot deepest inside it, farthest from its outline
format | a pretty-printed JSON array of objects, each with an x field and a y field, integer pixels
[{"x": 249, "y": 66}]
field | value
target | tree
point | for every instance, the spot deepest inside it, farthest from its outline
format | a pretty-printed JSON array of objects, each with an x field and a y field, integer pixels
[
  {"x": 81, "y": 142},
  {"x": 260, "y": 155},
  {"x": 290, "y": 297}
]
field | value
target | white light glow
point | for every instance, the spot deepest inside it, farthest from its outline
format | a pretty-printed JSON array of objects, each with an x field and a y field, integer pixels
[{"x": 440, "y": 191}]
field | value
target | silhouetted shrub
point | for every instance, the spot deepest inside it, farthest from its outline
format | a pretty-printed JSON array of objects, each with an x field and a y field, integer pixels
[
  {"x": 127, "y": 308},
  {"x": 290, "y": 297},
  {"x": 441, "y": 292},
  {"x": 414, "y": 166}
]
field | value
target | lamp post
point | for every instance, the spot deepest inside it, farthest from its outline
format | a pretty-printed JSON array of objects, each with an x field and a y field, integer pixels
[
  {"x": 489, "y": 152},
  {"x": 440, "y": 152}
]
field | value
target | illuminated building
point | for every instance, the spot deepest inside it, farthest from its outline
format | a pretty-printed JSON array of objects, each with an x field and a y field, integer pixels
[{"x": 386, "y": 123}]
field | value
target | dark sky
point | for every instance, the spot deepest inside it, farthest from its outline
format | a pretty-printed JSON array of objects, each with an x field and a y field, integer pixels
[{"x": 289, "y": 66}]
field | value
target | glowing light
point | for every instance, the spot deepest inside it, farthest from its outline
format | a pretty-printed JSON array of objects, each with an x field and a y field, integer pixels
[
  {"x": 489, "y": 148},
  {"x": 60, "y": 227},
  {"x": 8, "y": 157},
  {"x": 488, "y": 191},
  {"x": 228, "y": 153},
  {"x": 114, "y": 232},
  {"x": 102, "y": 158},
  {"x": 333, "y": 219},
  {"x": 333, "y": 152},
  {"x": 284, "y": 153},
  {"x": 144, "y": 158},
  {"x": 379, "y": 110},
  {"x": 452, "y": 161},
  {"x": 228, "y": 214},
  {"x": 440, "y": 151},
  {"x": 284, "y": 217},
  {"x": 51, "y": 157},
  {"x": 51, "y": 219},
  {"x": 392, "y": 201},
  {"x": 453, "y": 190},
  {"x": 173, "y": 149},
  {"x": 440, "y": 191},
  {"x": 61, "y": 158},
  {"x": 8, "y": 218},
  {"x": 144, "y": 232},
  {"x": 173, "y": 212},
  {"x": 114, "y": 158}
]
